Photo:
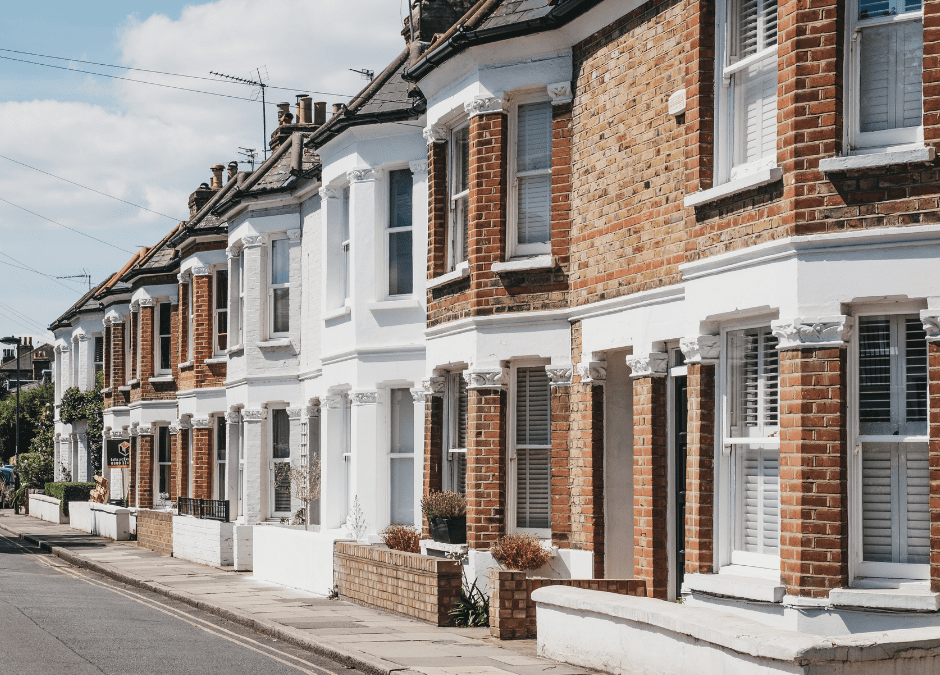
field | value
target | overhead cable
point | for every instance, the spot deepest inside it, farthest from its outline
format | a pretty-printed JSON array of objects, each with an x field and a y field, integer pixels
[{"x": 54, "y": 222}]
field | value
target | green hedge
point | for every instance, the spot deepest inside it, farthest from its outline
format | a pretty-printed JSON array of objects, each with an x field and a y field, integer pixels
[{"x": 69, "y": 492}]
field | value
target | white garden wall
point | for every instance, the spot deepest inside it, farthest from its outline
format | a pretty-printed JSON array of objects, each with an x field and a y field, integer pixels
[
  {"x": 103, "y": 520},
  {"x": 295, "y": 558},
  {"x": 46, "y": 508},
  {"x": 243, "y": 543},
  {"x": 208, "y": 542}
]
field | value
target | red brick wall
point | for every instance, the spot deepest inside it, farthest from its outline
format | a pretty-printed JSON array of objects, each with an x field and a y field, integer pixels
[
  {"x": 813, "y": 468},
  {"x": 561, "y": 183},
  {"x": 185, "y": 376},
  {"x": 700, "y": 470},
  {"x": 202, "y": 461},
  {"x": 699, "y": 118},
  {"x": 180, "y": 464},
  {"x": 933, "y": 402},
  {"x": 132, "y": 473},
  {"x": 205, "y": 374},
  {"x": 650, "y": 497},
  {"x": 145, "y": 476},
  {"x": 561, "y": 466},
  {"x": 115, "y": 350},
  {"x": 433, "y": 448},
  {"x": 107, "y": 356},
  {"x": 438, "y": 208},
  {"x": 486, "y": 466}
]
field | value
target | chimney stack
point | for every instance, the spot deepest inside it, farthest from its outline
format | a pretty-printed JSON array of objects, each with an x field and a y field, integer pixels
[
  {"x": 319, "y": 112},
  {"x": 217, "y": 176},
  {"x": 304, "y": 109},
  {"x": 283, "y": 113},
  {"x": 337, "y": 108},
  {"x": 232, "y": 170}
]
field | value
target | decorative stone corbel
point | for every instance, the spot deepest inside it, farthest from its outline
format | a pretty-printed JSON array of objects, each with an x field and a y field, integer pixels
[
  {"x": 487, "y": 379},
  {"x": 334, "y": 402},
  {"x": 812, "y": 332},
  {"x": 135, "y": 306},
  {"x": 145, "y": 430},
  {"x": 436, "y": 133},
  {"x": 485, "y": 105},
  {"x": 202, "y": 422},
  {"x": 185, "y": 277},
  {"x": 559, "y": 376},
  {"x": 419, "y": 167},
  {"x": 417, "y": 395},
  {"x": 560, "y": 93},
  {"x": 174, "y": 428},
  {"x": 433, "y": 386},
  {"x": 184, "y": 423},
  {"x": 701, "y": 349},
  {"x": 293, "y": 235},
  {"x": 312, "y": 411},
  {"x": 146, "y": 302},
  {"x": 652, "y": 365},
  {"x": 201, "y": 271},
  {"x": 329, "y": 192},
  {"x": 294, "y": 413},
  {"x": 117, "y": 435},
  {"x": 253, "y": 414},
  {"x": 234, "y": 250},
  {"x": 134, "y": 431},
  {"x": 251, "y": 241},
  {"x": 232, "y": 417},
  {"x": 930, "y": 318},
  {"x": 360, "y": 175},
  {"x": 365, "y": 397}
]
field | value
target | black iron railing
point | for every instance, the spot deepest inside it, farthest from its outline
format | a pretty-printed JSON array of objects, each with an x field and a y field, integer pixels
[{"x": 207, "y": 509}]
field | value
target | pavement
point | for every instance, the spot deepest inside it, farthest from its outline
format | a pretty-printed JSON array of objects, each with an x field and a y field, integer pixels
[{"x": 357, "y": 637}]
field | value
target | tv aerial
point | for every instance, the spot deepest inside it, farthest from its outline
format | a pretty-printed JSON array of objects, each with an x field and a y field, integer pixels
[{"x": 258, "y": 80}]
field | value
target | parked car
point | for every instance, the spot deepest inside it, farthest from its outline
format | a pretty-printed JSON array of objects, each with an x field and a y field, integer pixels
[{"x": 9, "y": 480}]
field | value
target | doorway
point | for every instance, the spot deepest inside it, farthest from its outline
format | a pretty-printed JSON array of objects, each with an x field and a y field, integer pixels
[
  {"x": 678, "y": 460},
  {"x": 618, "y": 468}
]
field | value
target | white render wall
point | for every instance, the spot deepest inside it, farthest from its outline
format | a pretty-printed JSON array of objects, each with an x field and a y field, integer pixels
[
  {"x": 296, "y": 558},
  {"x": 208, "y": 542}
]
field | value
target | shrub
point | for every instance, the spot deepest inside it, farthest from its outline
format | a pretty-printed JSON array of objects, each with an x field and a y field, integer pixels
[
  {"x": 402, "y": 538},
  {"x": 35, "y": 469},
  {"x": 69, "y": 492},
  {"x": 522, "y": 552},
  {"x": 443, "y": 505}
]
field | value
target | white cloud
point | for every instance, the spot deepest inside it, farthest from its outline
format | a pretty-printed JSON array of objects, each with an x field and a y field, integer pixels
[{"x": 152, "y": 145}]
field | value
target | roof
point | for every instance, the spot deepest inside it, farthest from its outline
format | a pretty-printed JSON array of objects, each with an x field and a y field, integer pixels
[
  {"x": 26, "y": 359},
  {"x": 279, "y": 174},
  {"x": 87, "y": 302},
  {"x": 516, "y": 11}
]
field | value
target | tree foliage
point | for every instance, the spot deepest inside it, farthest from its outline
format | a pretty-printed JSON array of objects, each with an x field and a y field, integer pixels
[
  {"x": 33, "y": 404},
  {"x": 87, "y": 405}
]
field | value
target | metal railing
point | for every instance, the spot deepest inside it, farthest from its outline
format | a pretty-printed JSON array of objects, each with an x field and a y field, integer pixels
[{"x": 207, "y": 509}]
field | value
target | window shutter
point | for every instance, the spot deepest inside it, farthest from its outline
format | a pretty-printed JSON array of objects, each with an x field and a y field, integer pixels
[
  {"x": 534, "y": 153},
  {"x": 756, "y": 382},
  {"x": 757, "y": 115},
  {"x": 917, "y": 477},
  {"x": 99, "y": 350},
  {"x": 761, "y": 487},
  {"x": 915, "y": 370},
  {"x": 533, "y": 449},
  {"x": 874, "y": 361},
  {"x": 876, "y": 503},
  {"x": 891, "y": 76}
]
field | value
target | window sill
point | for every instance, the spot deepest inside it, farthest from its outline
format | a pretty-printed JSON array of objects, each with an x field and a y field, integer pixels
[
  {"x": 749, "y": 182},
  {"x": 338, "y": 313},
  {"x": 217, "y": 359},
  {"x": 236, "y": 349},
  {"x": 462, "y": 270},
  {"x": 733, "y": 586},
  {"x": 188, "y": 364},
  {"x": 107, "y": 390},
  {"x": 538, "y": 262},
  {"x": 389, "y": 305},
  {"x": 133, "y": 382},
  {"x": 124, "y": 388},
  {"x": 900, "y": 599},
  {"x": 159, "y": 379},
  {"x": 274, "y": 344},
  {"x": 873, "y": 160}
]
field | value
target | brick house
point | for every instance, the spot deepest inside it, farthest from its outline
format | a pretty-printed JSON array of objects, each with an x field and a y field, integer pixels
[{"x": 680, "y": 315}]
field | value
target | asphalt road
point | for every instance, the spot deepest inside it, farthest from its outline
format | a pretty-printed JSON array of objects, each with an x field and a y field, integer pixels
[{"x": 56, "y": 619}]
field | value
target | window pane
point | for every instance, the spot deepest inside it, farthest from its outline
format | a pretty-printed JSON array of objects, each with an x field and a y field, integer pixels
[
  {"x": 281, "y": 310},
  {"x": 347, "y": 270},
  {"x": 164, "y": 487},
  {"x": 282, "y": 486},
  {"x": 868, "y": 9},
  {"x": 221, "y": 321},
  {"x": 533, "y": 407},
  {"x": 345, "y": 214},
  {"x": 461, "y": 412},
  {"x": 99, "y": 350},
  {"x": 461, "y": 160},
  {"x": 220, "y": 438},
  {"x": 402, "y": 490},
  {"x": 399, "y": 263},
  {"x": 165, "y": 353},
  {"x": 220, "y": 481},
  {"x": 757, "y": 26},
  {"x": 874, "y": 361},
  {"x": 400, "y": 189},
  {"x": 753, "y": 378},
  {"x": 402, "y": 421},
  {"x": 221, "y": 289},
  {"x": 534, "y": 209},
  {"x": 462, "y": 223},
  {"x": 280, "y": 261},
  {"x": 165, "y": 318},
  {"x": 915, "y": 371},
  {"x": 163, "y": 446},
  {"x": 458, "y": 472},
  {"x": 280, "y": 433},
  {"x": 891, "y": 76},
  {"x": 756, "y": 112},
  {"x": 534, "y": 142}
]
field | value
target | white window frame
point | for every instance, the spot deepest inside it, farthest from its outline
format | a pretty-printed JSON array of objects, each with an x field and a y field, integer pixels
[
  {"x": 158, "y": 465},
  {"x": 455, "y": 243},
  {"x": 513, "y": 248},
  {"x": 158, "y": 341},
  {"x": 272, "y": 498},
  {"x": 744, "y": 562},
  {"x": 389, "y": 231},
  {"x": 395, "y": 456},
  {"x": 863, "y": 573},
  {"x": 452, "y": 449},
  {"x": 858, "y": 142},
  {"x": 511, "y": 471},
  {"x": 218, "y": 312},
  {"x": 273, "y": 286},
  {"x": 98, "y": 365},
  {"x": 726, "y": 71},
  {"x": 217, "y": 464}
]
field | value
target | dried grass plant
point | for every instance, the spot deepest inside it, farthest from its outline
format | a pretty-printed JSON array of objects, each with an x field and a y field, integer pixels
[
  {"x": 402, "y": 538},
  {"x": 522, "y": 552},
  {"x": 443, "y": 505}
]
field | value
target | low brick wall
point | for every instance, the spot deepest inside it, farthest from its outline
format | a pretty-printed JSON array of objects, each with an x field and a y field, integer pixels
[
  {"x": 512, "y": 611},
  {"x": 155, "y": 531},
  {"x": 418, "y": 586}
]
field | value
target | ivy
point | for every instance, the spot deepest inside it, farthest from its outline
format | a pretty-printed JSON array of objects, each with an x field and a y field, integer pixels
[{"x": 87, "y": 405}]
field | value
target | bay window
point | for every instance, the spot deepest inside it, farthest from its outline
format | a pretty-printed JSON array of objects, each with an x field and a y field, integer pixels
[
  {"x": 747, "y": 89},
  {"x": 891, "y": 455},
  {"x": 458, "y": 238},
  {"x": 752, "y": 444},
  {"x": 220, "y": 310},
  {"x": 401, "y": 457},
  {"x": 530, "y": 452},
  {"x": 164, "y": 339},
  {"x": 887, "y": 72},
  {"x": 455, "y": 429},
  {"x": 531, "y": 179},
  {"x": 279, "y": 288},
  {"x": 398, "y": 234}
]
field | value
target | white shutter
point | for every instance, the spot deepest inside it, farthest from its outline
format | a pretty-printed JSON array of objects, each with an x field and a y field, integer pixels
[
  {"x": 915, "y": 374},
  {"x": 755, "y": 374},
  {"x": 761, "y": 501},
  {"x": 533, "y": 449},
  {"x": 756, "y": 119},
  {"x": 534, "y": 191},
  {"x": 917, "y": 477},
  {"x": 891, "y": 76},
  {"x": 877, "y": 507},
  {"x": 461, "y": 411}
]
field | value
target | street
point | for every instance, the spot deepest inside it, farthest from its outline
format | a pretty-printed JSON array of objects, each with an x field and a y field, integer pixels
[{"x": 57, "y": 619}]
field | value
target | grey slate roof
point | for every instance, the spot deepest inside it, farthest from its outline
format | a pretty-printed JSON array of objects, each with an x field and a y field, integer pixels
[
  {"x": 279, "y": 175},
  {"x": 516, "y": 11},
  {"x": 392, "y": 93}
]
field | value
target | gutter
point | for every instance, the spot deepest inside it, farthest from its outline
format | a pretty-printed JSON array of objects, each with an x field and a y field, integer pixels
[
  {"x": 463, "y": 38},
  {"x": 205, "y": 210}
]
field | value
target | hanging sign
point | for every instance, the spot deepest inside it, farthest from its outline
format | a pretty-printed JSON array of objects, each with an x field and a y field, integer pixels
[{"x": 119, "y": 454}]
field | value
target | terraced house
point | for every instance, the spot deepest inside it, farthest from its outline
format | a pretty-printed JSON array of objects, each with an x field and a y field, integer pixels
[{"x": 670, "y": 309}]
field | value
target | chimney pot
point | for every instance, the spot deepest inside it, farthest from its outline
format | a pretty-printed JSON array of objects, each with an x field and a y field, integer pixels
[
  {"x": 283, "y": 113},
  {"x": 217, "y": 176},
  {"x": 319, "y": 112},
  {"x": 337, "y": 108},
  {"x": 304, "y": 109},
  {"x": 232, "y": 170}
]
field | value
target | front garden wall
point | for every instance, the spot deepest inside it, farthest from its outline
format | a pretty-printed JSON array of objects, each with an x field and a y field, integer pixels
[{"x": 155, "y": 531}]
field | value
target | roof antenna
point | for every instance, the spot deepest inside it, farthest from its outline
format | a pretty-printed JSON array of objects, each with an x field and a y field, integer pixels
[
  {"x": 259, "y": 86},
  {"x": 250, "y": 156},
  {"x": 366, "y": 74},
  {"x": 85, "y": 275}
]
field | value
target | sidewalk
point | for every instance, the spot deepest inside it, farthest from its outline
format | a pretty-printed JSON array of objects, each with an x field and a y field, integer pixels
[{"x": 372, "y": 641}]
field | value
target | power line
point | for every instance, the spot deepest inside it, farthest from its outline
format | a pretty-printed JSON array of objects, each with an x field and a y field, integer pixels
[
  {"x": 65, "y": 226},
  {"x": 24, "y": 325},
  {"x": 10, "y": 159},
  {"x": 45, "y": 329},
  {"x": 21, "y": 266}
]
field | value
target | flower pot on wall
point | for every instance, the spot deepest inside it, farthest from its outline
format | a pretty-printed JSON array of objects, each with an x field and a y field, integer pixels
[{"x": 449, "y": 530}]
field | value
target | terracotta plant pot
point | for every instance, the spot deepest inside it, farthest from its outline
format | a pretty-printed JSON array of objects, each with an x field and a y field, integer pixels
[{"x": 449, "y": 530}]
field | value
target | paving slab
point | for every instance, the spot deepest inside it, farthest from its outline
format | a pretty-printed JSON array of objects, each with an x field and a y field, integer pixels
[{"x": 356, "y": 636}]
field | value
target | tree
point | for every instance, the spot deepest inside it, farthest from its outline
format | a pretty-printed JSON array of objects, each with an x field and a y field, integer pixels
[
  {"x": 33, "y": 404},
  {"x": 305, "y": 486},
  {"x": 87, "y": 405}
]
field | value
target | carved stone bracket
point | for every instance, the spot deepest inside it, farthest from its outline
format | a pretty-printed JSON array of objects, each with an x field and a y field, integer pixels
[
  {"x": 253, "y": 415},
  {"x": 360, "y": 175},
  {"x": 147, "y": 302},
  {"x": 652, "y": 365},
  {"x": 803, "y": 332},
  {"x": 701, "y": 349},
  {"x": 251, "y": 241},
  {"x": 593, "y": 373},
  {"x": 559, "y": 376},
  {"x": 232, "y": 417},
  {"x": 134, "y": 431},
  {"x": 202, "y": 422},
  {"x": 118, "y": 434},
  {"x": 184, "y": 277},
  {"x": 234, "y": 250},
  {"x": 436, "y": 133},
  {"x": 184, "y": 423},
  {"x": 433, "y": 386},
  {"x": 417, "y": 395},
  {"x": 202, "y": 271},
  {"x": 312, "y": 411},
  {"x": 145, "y": 430},
  {"x": 334, "y": 402},
  {"x": 485, "y": 105},
  {"x": 293, "y": 235},
  {"x": 113, "y": 318},
  {"x": 365, "y": 397},
  {"x": 294, "y": 413},
  {"x": 135, "y": 306},
  {"x": 486, "y": 379},
  {"x": 560, "y": 93},
  {"x": 930, "y": 318},
  {"x": 330, "y": 192},
  {"x": 419, "y": 167},
  {"x": 174, "y": 428}
]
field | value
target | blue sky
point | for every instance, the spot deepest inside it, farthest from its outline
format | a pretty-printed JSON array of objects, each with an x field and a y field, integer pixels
[{"x": 145, "y": 144}]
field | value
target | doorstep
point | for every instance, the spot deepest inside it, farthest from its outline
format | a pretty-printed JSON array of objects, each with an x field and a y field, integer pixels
[
  {"x": 732, "y": 586},
  {"x": 898, "y": 599}
]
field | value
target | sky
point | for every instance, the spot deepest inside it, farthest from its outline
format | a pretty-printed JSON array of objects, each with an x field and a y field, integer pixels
[{"x": 145, "y": 144}]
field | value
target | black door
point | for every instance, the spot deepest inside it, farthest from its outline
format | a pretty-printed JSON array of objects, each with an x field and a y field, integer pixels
[{"x": 681, "y": 424}]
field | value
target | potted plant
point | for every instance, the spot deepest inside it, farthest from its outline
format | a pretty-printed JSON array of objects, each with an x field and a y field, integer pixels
[
  {"x": 520, "y": 552},
  {"x": 447, "y": 516}
]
